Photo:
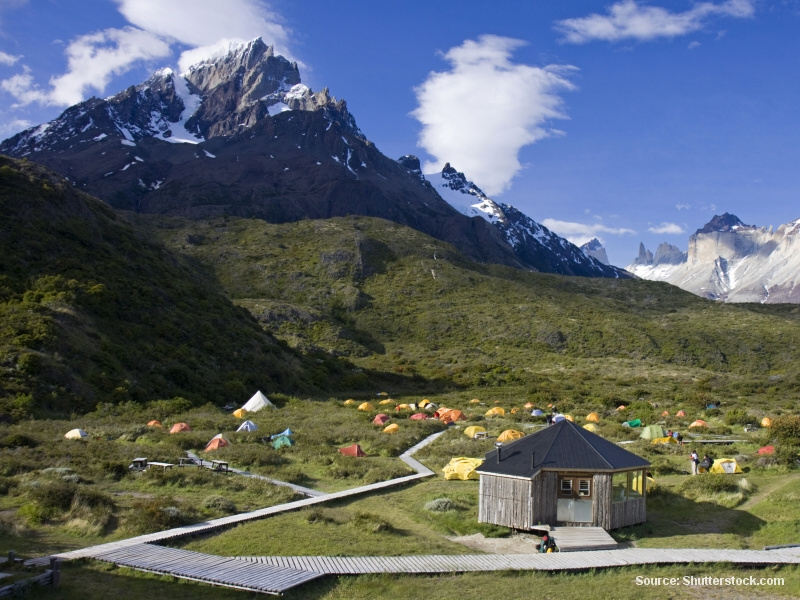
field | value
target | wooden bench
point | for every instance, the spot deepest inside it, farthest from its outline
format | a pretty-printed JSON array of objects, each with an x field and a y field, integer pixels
[
  {"x": 138, "y": 464},
  {"x": 219, "y": 465},
  {"x": 189, "y": 462},
  {"x": 163, "y": 465}
]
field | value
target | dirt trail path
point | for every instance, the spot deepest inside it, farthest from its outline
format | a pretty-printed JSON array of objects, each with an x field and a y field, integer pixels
[{"x": 764, "y": 491}]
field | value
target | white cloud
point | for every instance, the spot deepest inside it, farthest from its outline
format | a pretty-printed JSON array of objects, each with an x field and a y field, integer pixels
[
  {"x": 629, "y": 20},
  {"x": 8, "y": 59},
  {"x": 580, "y": 233},
  {"x": 206, "y": 25},
  {"x": 9, "y": 128},
  {"x": 480, "y": 113},
  {"x": 667, "y": 228},
  {"x": 682, "y": 206},
  {"x": 199, "y": 28},
  {"x": 693, "y": 45}
]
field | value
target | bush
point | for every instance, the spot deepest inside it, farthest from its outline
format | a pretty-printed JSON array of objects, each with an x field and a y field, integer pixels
[
  {"x": 738, "y": 416},
  {"x": 17, "y": 440},
  {"x": 220, "y": 503},
  {"x": 440, "y": 505},
  {"x": 372, "y": 523},
  {"x": 53, "y": 495},
  {"x": 709, "y": 483},
  {"x": 786, "y": 429},
  {"x": 157, "y": 514}
]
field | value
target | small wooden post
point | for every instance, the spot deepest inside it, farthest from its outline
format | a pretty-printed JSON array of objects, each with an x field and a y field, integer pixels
[
  {"x": 11, "y": 556},
  {"x": 55, "y": 567}
]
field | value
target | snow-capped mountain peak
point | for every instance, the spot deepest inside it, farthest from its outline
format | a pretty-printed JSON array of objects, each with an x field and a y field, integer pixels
[{"x": 464, "y": 196}]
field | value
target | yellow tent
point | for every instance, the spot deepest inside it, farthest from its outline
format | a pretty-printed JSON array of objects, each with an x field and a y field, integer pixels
[
  {"x": 403, "y": 407},
  {"x": 514, "y": 410},
  {"x": 393, "y": 428},
  {"x": 473, "y": 429},
  {"x": 474, "y": 401},
  {"x": 725, "y": 465},
  {"x": 239, "y": 413},
  {"x": 349, "y": 402},
  {"x": 665, "y": 440},
  {"x": 495, "y": 412},
  {"x": 423, "y": 403},
  {"x": 593, "y": 417},
  {"x": 528, "y": 405},
  {"x": 637, "y": 483},
  {"x": 365, "y": 406},
  {"x": 509, "y": 435},
  {"x": 383, "y": 393},
  {"x": 569, "y": 418},
  {"x": 387, "y": 401},
  {"x": 462, "y": 468},
  {"x": 590, "y": 427},
  {"x": 766, "y": 422}
]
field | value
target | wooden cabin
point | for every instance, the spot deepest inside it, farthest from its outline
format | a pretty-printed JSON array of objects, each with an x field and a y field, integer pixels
[{"x": 562, "y": 475}]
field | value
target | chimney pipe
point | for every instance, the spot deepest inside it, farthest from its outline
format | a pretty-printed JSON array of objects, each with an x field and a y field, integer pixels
[
  {"x": 499, "y": 446},
  {"x": 533, "y": 460}
]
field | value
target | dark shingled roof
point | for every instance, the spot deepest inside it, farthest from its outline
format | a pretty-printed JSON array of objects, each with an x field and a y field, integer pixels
[{"x": 561, "y": 446}]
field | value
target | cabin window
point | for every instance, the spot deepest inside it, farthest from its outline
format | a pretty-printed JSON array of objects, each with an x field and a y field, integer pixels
[
  {"x": 636, "y": 482},
  {"x": 584, "y": 487},
  {"x": 574, "y": 499},
  {"x": 566, "y": 487},
  {"x": 627, "y": 486}
]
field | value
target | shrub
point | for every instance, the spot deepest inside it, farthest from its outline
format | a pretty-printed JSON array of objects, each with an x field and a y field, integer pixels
[
  {"x": 157, "y": 514},
  {"x": 440, "y": 505},
  {"x": 220, "y": 503},
  {"x": 709, "y": 483},
  {"x": 372, "y": 523},
  {"x": 737, "y": 416},
  {"x": 786, "y": 429},
  {"x": 53, "y": 495},
  {"x": 18, "y": 440}
]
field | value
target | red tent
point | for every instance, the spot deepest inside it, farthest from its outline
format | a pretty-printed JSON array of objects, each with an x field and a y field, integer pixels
[
  {"x": 418, "y": 417},
  {"x": 380, "y": 419},
  {"x": 354, "y": 450},
  {"x": 767, "y": 450},
  {"x": 179, "y": 427},
  {"x": 216, "y": 443},
  {"x": 154, "y": 423}
]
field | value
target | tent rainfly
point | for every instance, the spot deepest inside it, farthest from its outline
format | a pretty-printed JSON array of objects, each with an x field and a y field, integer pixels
[
  {"x": 665, "y": 440},
  {"x": 495, "y": 412},
  {"x": 473, "y": 429},
  {"x": 665, "y": 413},
  {"x": 451, "y": 416},
  {"x": 380, "y": 419},
  {"x": 258, "y": 402},
  {"x": 680, "y": 413},
  {"x": 217, "y": 442},
  {"x": 179, "y": 428},
  {"x": 382, "y": 394},
  {"x": 725, "y": 465},
  {"x": 281, "y": 441},
  {"x": 247, "y": 426},
  {"x": 559, "y": 418},
  {"x": 652, "y": 432},
  {"x": 391, "y": 429},
  {"x": 590, "y": 427},
  {"x": 593, "y": 417},
  {"x": 766, "y": 422},
  {"x": 537, "y": 412},
  {"x": 699, "y": 423},
  {"x": 155, "y": 423},
  {"x": 418, "y": 417},
  {"x": 366, "y": 406},
  {"x": 287, "y": 432},
  {"x": 239, "y": 413},
  {"x": 349, "y": 402},
  {"x": 509, "y": 435},
  {"x": 76, "y": 434},
  {"x": 462, "y": 468},
  {"x": 354, "y": 450},
  {"x": 387, "y": 401},
  {"x": 475, "y": 401},
  {"x": 528, "y": 405}
]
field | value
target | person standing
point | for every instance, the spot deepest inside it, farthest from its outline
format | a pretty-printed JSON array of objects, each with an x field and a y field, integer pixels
[{"x": 695, "y": 460}]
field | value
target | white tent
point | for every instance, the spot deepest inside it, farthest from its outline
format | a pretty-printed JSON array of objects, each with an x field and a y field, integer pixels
[
  {"x": 558, "y": 418},
  {"x": 257, "y": 402},
  {"x": 76, "y": 434},
  {"x": 247, "y": 426}
]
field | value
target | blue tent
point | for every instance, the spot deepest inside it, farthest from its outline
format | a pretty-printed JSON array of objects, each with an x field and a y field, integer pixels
[{"x": 287, "y": 432}]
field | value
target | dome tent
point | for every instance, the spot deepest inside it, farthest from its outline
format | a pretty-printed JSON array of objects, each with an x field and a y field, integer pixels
[
  {"x": 76, "y": 434},
  {"x": 354, "y": 450},
  {"x": 247, "y": 426},
  {"x": 462, "y": 468},
  {"x": 180, "y": 428},
  {"x": 217, "y": 442},
  {"x": 474, "y": 429}
]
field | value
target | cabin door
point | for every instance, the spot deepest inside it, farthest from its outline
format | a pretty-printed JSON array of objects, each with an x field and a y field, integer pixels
[{"x": 575, "y": 497}]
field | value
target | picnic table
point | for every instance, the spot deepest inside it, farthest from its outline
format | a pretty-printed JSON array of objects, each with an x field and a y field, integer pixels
[
  {"x": 189, "y": 462},
  {"x": 219, "y": 465},
  {"x": 163, "y": 465}
]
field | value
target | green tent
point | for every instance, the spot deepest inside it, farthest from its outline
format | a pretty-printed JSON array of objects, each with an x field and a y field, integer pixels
[
  {"x": 652, "y": 432},
  {"x": 633, "y": 423},
  {"x": 281, "y": 441}
]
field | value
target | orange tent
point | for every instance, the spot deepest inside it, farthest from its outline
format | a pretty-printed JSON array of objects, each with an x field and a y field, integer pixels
[
  {"x": 528, "y": 405},
  {"x": 155, "y": 423},
  {"x": 514, "y": 410},
  {"x": 180, "y": 427},
  {"x": 451, "y": 416},
  {"x": 665, "y": 413},
  {"x": 699, "y": 423},
  {"x": 354, "y": 450},
  {"x": 680, "y": 413},
  {"x": 593, "y": 417},
  {"x": 440, "y": 411},
  {"x": 474, "y": 401},
  {"x": 766, "y": 422},
  {"x": 621, "y": 407},
  {"x": 380, "y": 419},
  {"x": 418, "y": 417},
  {"x": 393, "y": 428},
  {"x": 216, "y": 443}
]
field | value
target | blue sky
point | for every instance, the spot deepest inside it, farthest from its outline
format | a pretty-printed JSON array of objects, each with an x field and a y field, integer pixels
[{"x": 630, "y": 121}]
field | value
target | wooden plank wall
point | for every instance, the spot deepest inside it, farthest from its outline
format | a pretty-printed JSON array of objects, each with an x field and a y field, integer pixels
[
  {"x": 505, "y": 501},
  {"x": 545, "y": 498},
  {"x": 602, "y": 501},
  {"x": 627, "y": 513}
]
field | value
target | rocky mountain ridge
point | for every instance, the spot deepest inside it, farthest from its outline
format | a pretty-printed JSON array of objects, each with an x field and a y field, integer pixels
[
  {"x": 241, "y": 135},
  {"x": 730, "y": 261}
]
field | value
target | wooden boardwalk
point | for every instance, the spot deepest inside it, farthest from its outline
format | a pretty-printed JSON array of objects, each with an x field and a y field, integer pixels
[
  {"x": 573, "y": 539},
  {"x": 216, "y": 570},
  {"x": 229, "y": 521},
  {"x": 559, "y": 561}
]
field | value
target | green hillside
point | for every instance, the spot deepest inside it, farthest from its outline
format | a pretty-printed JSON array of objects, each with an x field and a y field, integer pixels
[
  {"x": 93, "y": 311},
  {"x": 392, "y": 299}
]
